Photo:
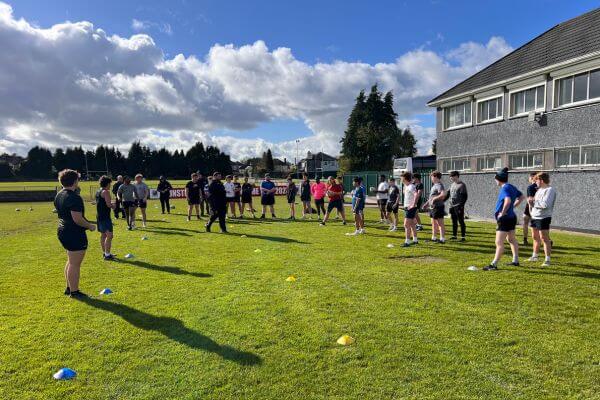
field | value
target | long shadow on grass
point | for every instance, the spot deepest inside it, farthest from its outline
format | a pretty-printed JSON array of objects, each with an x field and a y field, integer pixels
[
  {"x": 279, "y": 239},
  {"x": 175, "y": 330},
  {"x": 164, "y": 268},
  {"x": 574, "y": 274}
]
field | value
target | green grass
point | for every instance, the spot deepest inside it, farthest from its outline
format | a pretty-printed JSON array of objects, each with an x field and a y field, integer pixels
[{"x": 197, "y": 315}]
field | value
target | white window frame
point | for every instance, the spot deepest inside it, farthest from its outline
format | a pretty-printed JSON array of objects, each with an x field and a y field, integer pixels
[
  {"x": 582, "y": 149},
  {"x": 488, "y": 121},
  {"x": 526, "y": 154},
  {"x": 573, "y": 103},
  {"x": 463, "y": 159},
  {"x": 522, "y": 89},
  {"x": 457, "y": 126},
  {"x": 570, "y": 165}
]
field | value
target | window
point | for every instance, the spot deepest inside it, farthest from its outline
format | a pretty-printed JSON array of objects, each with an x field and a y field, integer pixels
[
  {"x": 590, "y": 155},
  {"x": 577, "y": 88},
  {"x": 446, "y": 165},
  {"x": 525, "y": 160},
  {"x": 461, "y": 164},
  {"x": 489, "y": 163},
  {"x": 458, "y": 115},
  {"x": 567, "y": 157},
  {"x": 489, "y": 110},
  {"x": 527, "y": 100}
]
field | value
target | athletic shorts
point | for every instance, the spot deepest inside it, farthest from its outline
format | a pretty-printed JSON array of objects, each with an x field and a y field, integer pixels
[
  {"x": 291, "y": 199},
  {"x": 236, "y": 198},
  {"x": 392, "y": 208},
  {"x": 246, "y": 198},
  {"x": 142, "y": 203},
  {"x": 129, "y": 204},
  {"x": 105, "y": 225},
  {"x": 410, "y": 213},
  {"x": 335, "y": 204},
  {"x": 230, "y": 199},
  {"x": 359, "y": 211},
  {"x": 193, "y": 201},
  {"x": 437, "y": 212},
  {"x": 382, "y": 203},
  {"x": 73, "y": 239},
  {"x": 267, "y": 200},
  {"x": 305, "y": 199},
  {"x": 542, "y": 224},
  {"x": 506, "y": 224},
  {"x": 319, "y": 201},
  {"x": 526, "y": 212}
]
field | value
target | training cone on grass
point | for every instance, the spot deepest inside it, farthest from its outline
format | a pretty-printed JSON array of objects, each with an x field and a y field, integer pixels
[
  {"x": 473, "y": 268},
  {"x": 291, "y": 278},
  {"x": 106, "y": 291},
  {"x": 144, "y": 237},
  {"x": 390, "y": 246},
  {"x": 243, "y": 236},
  {"x": 17, "y": 209},
  {"x": 345, "y": 340},
  {"x": 30, "y": 208},
  {"x": 64, "y": 374},
  {"x": 55, "y": 211},
  {"x": 128, "y": 255},
  {"x": 258, "y": 251}
]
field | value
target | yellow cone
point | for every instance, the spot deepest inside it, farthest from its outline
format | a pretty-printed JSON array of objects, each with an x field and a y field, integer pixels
[
  {"x": 345, "y": 340},
  {"x": 291, "y": 278},
  {"x": 257, "y": 250}
]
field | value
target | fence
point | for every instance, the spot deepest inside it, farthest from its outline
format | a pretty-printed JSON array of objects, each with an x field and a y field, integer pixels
[{"x": 15, "y": 193}]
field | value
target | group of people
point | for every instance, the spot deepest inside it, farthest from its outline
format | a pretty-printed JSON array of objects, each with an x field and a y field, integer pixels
[{"x": 217, "y": 197}]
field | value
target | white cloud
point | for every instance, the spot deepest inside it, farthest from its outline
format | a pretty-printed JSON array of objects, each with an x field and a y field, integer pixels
[
  {"x": 73, "y": 83},
  {"x": 142, "y": 26}
]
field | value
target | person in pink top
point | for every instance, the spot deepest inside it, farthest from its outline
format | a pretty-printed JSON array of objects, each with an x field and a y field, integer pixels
[{"x": 318, "y": 191}]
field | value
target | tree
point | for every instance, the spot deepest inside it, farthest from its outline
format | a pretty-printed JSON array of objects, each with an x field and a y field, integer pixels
[
  {"x": 75, "y": 159},
  {"x": 433, "y": 147},
  {"x": 38, "y": 164},
  {"x": 135, "y": 159},
  {"x": 196, "y": 158},
  {"x": 268, "y": 162},
  {"x": 6, "y": 172},
  {"x": 59, "y": 160}
]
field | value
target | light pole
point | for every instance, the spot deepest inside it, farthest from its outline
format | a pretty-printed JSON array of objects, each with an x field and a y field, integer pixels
[{"x": 296, "y": 159}]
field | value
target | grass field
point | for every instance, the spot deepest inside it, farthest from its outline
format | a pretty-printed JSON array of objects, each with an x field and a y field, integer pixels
[{"x": 203, "y": 316}]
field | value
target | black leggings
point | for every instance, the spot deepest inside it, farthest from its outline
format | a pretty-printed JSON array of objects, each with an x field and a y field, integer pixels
[
  {"x": 220, "y": 214},
  {"x": 320, "y": 205},
  {"x": 458, "y": 217},
  {"x": 204, "y": 202},
  {"x": 164, "y": 204}
]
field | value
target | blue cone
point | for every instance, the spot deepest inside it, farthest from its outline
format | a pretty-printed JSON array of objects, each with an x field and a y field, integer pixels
[
  {"x": 65, "y": 373},
  {"x": 106, "y": 291}
]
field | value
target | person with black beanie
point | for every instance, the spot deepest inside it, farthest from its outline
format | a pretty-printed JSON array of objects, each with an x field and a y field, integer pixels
[{"x": 164, "y": 193}]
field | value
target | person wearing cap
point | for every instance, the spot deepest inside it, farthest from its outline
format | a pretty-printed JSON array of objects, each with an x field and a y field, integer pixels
[
  {"x": 458, "y": 199},
  {"x": 267, "y": 196},
  {"x": 218, "y": 203},
  {"x": 118, "y": 209},
  {"x": 164, "y": 193},
  {"x": 508, "y": 198}
]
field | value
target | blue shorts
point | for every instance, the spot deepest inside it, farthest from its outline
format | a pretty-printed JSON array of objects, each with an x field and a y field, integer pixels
[
  {"x": 105, "y": 225},
  {"x": 410, "y": 213}
]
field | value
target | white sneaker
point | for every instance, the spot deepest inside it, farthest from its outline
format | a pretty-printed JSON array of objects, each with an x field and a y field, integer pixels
[
  {"x": 353, "y": 233},
  {"x": 393, "y": 228},
  {"x": 361, "y": 231},
  {"x": 532, "y": 259},
  {"x": 143, "y": 224},
  {"x": 546, "y": 263}
]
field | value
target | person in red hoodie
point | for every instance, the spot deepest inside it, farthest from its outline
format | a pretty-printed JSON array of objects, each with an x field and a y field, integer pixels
[
  {"x": 335, "y": 192},
  {"x": 318, "y": 191}
]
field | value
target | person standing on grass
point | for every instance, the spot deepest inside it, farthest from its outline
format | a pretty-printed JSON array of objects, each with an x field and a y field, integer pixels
[
  {"x": 71, "y": 229},
  {"x": 237, "y": 189},
  {"x": 358, "y": 206},
  {"x": 318, "y": 191},
  {"x": 541, "y": 208},
  {"x": 393, "y": 204},
  {"x": 458, "y": 199},
  {"x": 508, "y": 198},
  {"x": 420, "y": 189},
  {"x": 291, "y": 196},
  {"x": 437, "y": 197},
  {"x": 230, "y": 195},
  {"x": 204, "y": 192},
  {"x": 218, "y": 203},
  {"x": 203, "y": 183},
  {"x": 305, "y": 197},
  {"x": 382, "y": 198},
  {"x": 118, "y": 209},
  {"x": 142, "y": 192},
  {"x": 267, "y": 196},
  {"x": 105, "y": 225},
  {"x": 192, "y": 194},
  {"x": 410, "y": 210},
  {"x": 247, "y": 189},
  {"x": 164, "y": 193},
  {"x": 335, "y": 191},
  {"x": 126, "y": 194},
  {"x": 531, "y": 189}
]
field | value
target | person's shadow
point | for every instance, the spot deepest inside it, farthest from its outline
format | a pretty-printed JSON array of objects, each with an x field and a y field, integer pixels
[
  {"x": 163, "y": 268},
  {"x": 175, "y": 330}
]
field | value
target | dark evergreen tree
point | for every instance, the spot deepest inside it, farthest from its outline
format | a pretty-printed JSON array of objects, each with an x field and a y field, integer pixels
[
  {"x": 75, "y": 159},
  {"x": 196, "y": 158},
  {"x": 38, "y": 164},
  {"x": 268, "y": 161},
  {"x": 433, "y": 147},
  {"x": 6, "y": 172},
  {"x": 135, "y": 159},
  {"x": 59, "y": 160}
]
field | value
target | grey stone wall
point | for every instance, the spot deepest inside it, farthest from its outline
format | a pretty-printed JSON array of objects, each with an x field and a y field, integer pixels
[{"x": 577, "y": 204}]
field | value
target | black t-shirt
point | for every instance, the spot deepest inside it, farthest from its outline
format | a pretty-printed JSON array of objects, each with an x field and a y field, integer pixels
[
  {"x": 203, "y": 182},
  {"x": 102, "y": 210},
  {"x": 193, "y": 189},
  {"x": 305, "y": 190},
  {"x": 216, "y": 194},
  {"x": 164, "y": 186},
  {"x": 531, "y": 189},
  {"x": 394, "y": 193},
  {"x": 65, "y": 202},
  {"x": 419, "y": 186},
  {"x": 247, "y": 189},
  {"x": 116, "y": 187}
]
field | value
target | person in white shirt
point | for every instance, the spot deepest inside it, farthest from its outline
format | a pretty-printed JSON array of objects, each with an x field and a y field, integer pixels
[
  {"x": 142, "y": 192},
  {"x": 541, "y": 208},
  {"x": 382, "y": 198},
  {"x": 410, "y": 209},
  {"x": 230, "y": 194}
]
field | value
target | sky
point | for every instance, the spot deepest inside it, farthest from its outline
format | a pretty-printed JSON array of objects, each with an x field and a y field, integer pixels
[{"x": 242, "y": 75}]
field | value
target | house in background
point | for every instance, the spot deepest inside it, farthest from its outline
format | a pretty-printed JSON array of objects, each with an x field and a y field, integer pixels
[
  {"x": 281, "y": 168},
  {"x": 318, "y": 164},
  {"x": 535, "y": 109}
]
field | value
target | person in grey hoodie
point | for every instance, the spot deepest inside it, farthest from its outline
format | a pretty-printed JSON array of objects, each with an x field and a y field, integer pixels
[
  {"x": 126, "y": 194},
  {"x": 458, "y": 199},
  {"x": 541, "y": 208}
]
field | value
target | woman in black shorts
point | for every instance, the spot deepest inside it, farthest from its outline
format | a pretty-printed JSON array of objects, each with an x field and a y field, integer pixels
[
  {"x": 291, "y": 197},
  {"x": 247, "y": 189},
  {"x": 71, "y": 228},
  {"x": 305, "y": 197}
]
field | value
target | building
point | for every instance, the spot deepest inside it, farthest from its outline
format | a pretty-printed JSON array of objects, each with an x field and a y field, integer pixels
[
  {"x": 318, "y": 164},
  {"x": 281, "y": 168},
  {"x": 537, "y": 108}
]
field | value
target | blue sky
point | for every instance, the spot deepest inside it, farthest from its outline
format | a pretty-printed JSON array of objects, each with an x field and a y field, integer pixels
[{"x": 316, "y": 32}]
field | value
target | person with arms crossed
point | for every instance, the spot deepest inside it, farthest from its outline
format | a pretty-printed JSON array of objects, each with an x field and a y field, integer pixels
[
  {"x": 247, "y": 189},
  {"x": 71, "y": 229},
  {"x": 393, "y": 204},
  {"x": 305, "y": 197},
  {"x": 291, "y": 197},
  {"x": 420, "y": 189},
  {"x": 218, "y": 203},
  {"x": 358, "y": 206},
  {"x": 318, "y": 191},
  {"x": 508, "y": 198},
  {"x": 118, "y": 209},
  {"x": 164, "y": 193},
  {"x": 458, "y": 199},
  {"x": 437, "y": 211},
  {"x": 335, "y": 191},
  {"x": 126, "y": 194},
  {"x": 382, "y": 198},
  {"x": 267, "y": 196},
  {"x": 410, "y": 210},
  {"x": 541, "y": 208},
  {"x": 192, "y": 194},
  {"x": 531, "y": 189},
  {"x": 142, "y": 192},
  {"x": 230, "y": 195},
  {"x": 105, "y": 225}
]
